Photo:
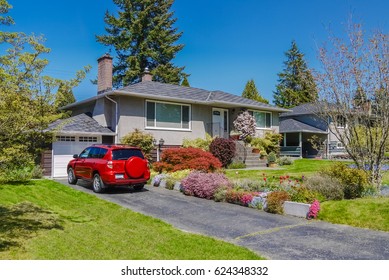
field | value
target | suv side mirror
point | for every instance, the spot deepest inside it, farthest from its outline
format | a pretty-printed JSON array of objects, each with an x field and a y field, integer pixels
[{"x": 75, "y": 156}]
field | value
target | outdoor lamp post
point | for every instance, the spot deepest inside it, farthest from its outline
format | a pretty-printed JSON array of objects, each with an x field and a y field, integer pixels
[{"x": 160, "y": 144}]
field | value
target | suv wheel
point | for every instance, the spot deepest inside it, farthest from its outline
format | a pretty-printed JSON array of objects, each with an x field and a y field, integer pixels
[
  {"x": 71, "y": 177},
  {"x": 98, "y": 185}
]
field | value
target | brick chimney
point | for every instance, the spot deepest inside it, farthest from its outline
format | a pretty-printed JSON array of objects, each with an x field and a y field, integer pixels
[
  {"x": 147, "y": 77},
  {"x": 104, "y": 75}
]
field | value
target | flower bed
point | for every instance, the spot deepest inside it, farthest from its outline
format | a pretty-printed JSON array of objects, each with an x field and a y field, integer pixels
[{"x": 271, "y": 194}]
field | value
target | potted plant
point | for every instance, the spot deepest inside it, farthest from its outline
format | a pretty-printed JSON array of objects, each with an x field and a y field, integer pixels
[
  {"x": 235, "y": 135},
  {"x": 263, "y": 154},
  {"x": 271, "y": 159}
]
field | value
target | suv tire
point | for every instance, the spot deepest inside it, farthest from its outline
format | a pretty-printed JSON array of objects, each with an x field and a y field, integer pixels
[
  {"x": 98, "y": 184},
  {"x": 72, "y": 179}
]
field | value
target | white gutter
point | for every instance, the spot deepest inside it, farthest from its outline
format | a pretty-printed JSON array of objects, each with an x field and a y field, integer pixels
[{"x": 116, "y": 117}]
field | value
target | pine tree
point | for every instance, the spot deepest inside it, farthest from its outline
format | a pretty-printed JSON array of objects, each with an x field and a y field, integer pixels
[
  {"x": 185, "y": 82},
  {"x": 143, "y": 36},
  {"x": 295, "y": 84},
  {"x": 250, "y": 91}
]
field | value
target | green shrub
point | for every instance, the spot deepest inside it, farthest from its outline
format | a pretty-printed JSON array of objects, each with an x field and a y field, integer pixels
[
  {"x": 248, "y": 185},
  {"x": 270, "y": 143},
  {"x": 170, "y": 182},
  {"x": 271, "y": 158},
  {"x": 275, "y": 201},
  {"x": 284, "y": 161},
  {"x": 354, "y": 181},
  {"x": 303, "y": 194},
  {"x": 221, "y": 194},
  {"x": 198, "y": 143},
  {"x": 330, "y": 188},
  {"x": 37, "y": 172},
  {"x": 140, "y": 139},
  {"x": 180, "y": 174},
  {"x": 20, "y": 175},
  {"x": 236, "y": 165}
]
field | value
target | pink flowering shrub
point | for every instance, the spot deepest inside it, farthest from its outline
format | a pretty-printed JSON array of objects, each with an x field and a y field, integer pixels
[
  {"x": 313, "y": 210},
  {"x": 246, "y": 198},
  {"x": 203, "y": 185}
]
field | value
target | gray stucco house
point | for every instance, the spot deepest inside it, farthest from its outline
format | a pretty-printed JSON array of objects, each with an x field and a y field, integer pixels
[
  {"x": 168, "y": 112},
  {"x": 303, "y": 122}
]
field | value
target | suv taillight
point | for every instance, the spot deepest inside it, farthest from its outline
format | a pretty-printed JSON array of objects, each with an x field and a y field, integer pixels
[{"x": 110, "y": 164}]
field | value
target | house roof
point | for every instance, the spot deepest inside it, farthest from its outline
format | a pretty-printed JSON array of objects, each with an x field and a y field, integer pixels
[
  {"x": 79, "y": 124},
  {"x": 168, "y": 92},
  {"x": 292, "y": 125},
  {"x": 303, "y": 109}
]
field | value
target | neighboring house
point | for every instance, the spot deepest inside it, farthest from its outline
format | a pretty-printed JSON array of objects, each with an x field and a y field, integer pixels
[
  {"x": 300, "y": 125},
  {"x": 168, "y": 112}
]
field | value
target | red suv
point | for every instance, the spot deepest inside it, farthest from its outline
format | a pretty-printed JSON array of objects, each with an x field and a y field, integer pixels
[{"x": 110, "y": 165}]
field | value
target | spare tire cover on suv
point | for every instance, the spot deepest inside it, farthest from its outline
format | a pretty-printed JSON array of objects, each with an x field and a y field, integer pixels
[{"x": 135, "y": 167}]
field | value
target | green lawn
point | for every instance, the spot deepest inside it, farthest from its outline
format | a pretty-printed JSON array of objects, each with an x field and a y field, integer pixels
[
  {"x": 370, "y": 213},
  {"x": 300, "y": 167},
  {"x": 46, "y": 220}
]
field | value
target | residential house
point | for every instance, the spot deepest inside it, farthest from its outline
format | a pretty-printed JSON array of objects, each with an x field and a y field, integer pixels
[
  {"x": 301, "y": 124},
  {"x": 168, "y": 112}
]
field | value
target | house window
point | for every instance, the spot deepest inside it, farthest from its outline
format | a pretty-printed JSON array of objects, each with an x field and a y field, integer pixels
[
  {"x": 66, "y": 138},
  {"x": 262, "y": 119},
  {"x": 167, "y": 115},
  {"x": 87, "y": 139}
]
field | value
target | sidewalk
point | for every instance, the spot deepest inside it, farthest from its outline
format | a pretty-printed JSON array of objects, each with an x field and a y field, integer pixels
[{"x": 273, "y": 236}]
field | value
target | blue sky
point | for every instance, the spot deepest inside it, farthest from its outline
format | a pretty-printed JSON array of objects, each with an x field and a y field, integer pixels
[{"x": 227, "y": 42}]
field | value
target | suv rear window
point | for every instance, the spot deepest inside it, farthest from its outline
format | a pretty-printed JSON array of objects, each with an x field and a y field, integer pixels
[{"x": 124, "y": 154}]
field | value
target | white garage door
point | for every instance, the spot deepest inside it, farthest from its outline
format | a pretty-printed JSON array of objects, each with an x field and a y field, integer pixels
[{"x": 63, "y": 152}]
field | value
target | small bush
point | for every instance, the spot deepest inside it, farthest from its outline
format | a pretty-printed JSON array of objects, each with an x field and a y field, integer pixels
[
  {"x": 223, "y": 149},
  {"x": 37, "y": 172},
  {"x": 15, "y": 175},
  {"x": 236, "y": 165},
  {"x": 330, "y": 188},
  {"x": 140, "y": 139},
  {"x": 198, "y": 143},
  {"x": 271, "y": 158},
  {"x": 170, "y": 182},
  {"x": 353, "y": 181},
  {"x": 284, "y": 161},
  {"x": 275, "y": 201},
  {"x": 313, "y": 210},
  {"x": 303, "y": 194},
  {"x": 203, "y": 185},
  {"x": 186, "y": 158},
  {"x": 270, "y": 143},
  {"x": 220, "y": 194},
  {"x": 179, "y": 175}
]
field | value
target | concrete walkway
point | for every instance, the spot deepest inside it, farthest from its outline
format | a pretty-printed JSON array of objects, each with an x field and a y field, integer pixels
[{"x": 273, "y": 236}]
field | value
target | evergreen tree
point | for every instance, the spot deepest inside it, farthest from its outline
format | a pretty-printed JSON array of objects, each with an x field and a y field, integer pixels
[
  {"x": 295, "y": 84},
  {"x": 250, "y": 91},
  {"x": 143, "y": 36},
  {"x": 185, "y": 82}
]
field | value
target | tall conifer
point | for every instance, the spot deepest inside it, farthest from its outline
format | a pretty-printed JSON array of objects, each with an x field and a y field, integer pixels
[
  {"x": 251, "y": 92},
  {"x": 295, "y": 84},
  {"x": 143, "y": 35}
]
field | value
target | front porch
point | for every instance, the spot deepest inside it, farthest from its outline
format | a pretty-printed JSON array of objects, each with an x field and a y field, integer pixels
[{"x": 299, "y": 144}]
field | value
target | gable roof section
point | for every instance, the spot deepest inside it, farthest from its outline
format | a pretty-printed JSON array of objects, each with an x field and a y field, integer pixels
[
  {"x": 79, "y": 124},
  {"x": 176, "y": 93},
  {"x": 292, "y": 125}
]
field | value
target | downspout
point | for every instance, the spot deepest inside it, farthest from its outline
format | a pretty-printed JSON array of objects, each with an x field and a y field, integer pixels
[{"x": 116, "y": 117}]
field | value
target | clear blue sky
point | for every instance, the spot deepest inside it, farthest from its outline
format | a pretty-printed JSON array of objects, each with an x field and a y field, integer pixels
[{"x": 227, "y": 42}]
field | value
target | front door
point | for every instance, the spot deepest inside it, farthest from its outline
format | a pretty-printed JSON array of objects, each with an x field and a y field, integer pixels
[{"x": 220, "y": 123}]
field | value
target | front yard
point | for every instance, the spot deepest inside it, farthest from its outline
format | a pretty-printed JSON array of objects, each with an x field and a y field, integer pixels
[{"x": 46, "y": 220}]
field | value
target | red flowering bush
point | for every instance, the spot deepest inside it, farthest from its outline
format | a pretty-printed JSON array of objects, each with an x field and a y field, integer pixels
[
  {"x": 223, "y": 149},
  {"x": 241, "y": 197},
  {"x": 275, "y": 200},
  {"x": 203, "y": 185},
  {"x": 186, "y": 158}
]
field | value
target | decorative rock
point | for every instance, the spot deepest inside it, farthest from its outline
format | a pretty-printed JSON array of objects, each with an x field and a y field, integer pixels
[
  {"x": 296, "y": 209},
  {"x": 163, "y": 183},
  {"x": 177, "y": 186}
]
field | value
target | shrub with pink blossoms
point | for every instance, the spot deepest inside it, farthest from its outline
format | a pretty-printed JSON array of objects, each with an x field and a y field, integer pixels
[
  {"x": 313, "y": 210},
  {"x": 203, "y": 185}
]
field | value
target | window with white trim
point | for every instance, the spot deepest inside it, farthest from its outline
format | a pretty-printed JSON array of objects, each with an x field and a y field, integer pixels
[
  {"x": 262, "y": 119},
  {"x": 66, "y": 138},
  {"x": 167, "y": 115}
]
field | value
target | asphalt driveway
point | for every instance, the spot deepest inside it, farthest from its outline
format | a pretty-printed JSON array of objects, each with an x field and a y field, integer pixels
[{"x": 273, "y": 236}]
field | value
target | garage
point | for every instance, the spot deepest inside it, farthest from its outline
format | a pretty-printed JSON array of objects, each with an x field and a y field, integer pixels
[{"x": 71, "y": 137}]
